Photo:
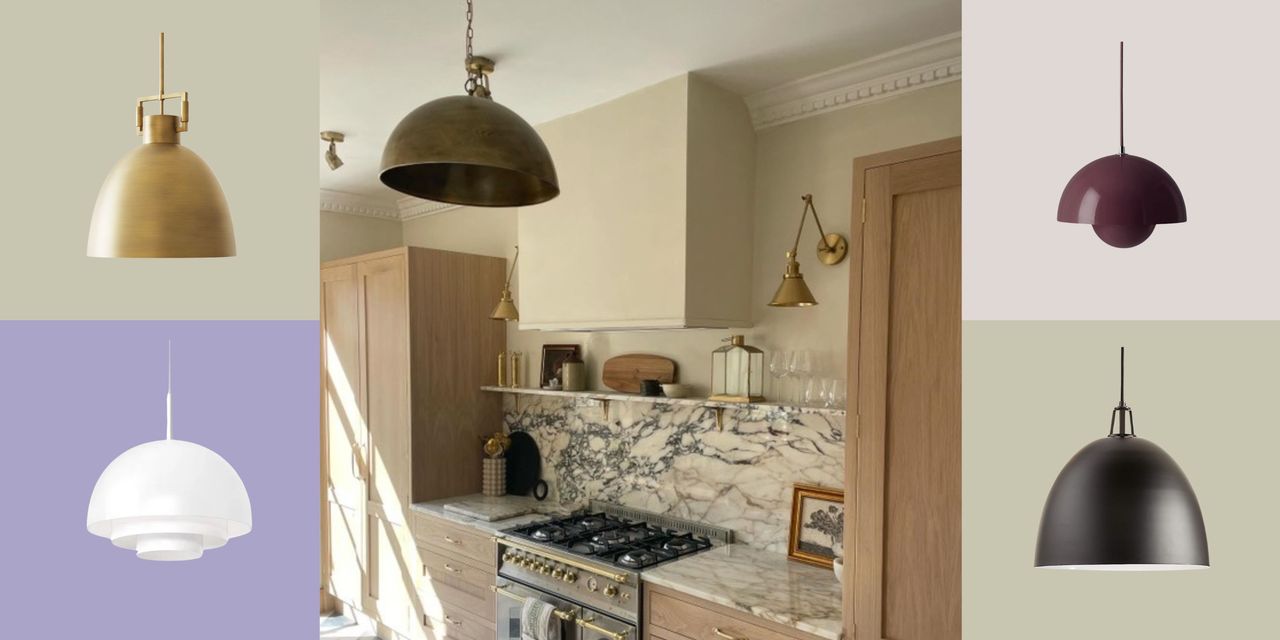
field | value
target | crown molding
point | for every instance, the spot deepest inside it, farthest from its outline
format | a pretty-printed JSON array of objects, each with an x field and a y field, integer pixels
[
  {"x": 357, "y": 205},
  {"x": 410, "y": 207},
  {"x": 924, "y": 64}
]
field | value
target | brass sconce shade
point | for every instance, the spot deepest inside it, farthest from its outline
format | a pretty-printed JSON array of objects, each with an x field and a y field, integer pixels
[
  {"x": 469, "y": 150},
  {"x": 161, "y": 200},
  {"x": 832, "y": 248},
  {"x": 506, "y": 309}
]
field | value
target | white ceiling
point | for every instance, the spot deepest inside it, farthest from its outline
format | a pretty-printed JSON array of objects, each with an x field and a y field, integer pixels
[{"x": 381, "y": 59}]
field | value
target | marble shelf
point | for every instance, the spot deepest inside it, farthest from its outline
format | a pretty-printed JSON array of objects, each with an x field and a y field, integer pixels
[{"x": 613, "y": 396}]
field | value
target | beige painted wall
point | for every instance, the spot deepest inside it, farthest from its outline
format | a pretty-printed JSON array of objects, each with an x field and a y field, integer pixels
[
  {"x": 814, "y": 155},
  {"x": 343, "y": 235},
  {"x": 72, "y": 82},
  {"x": 1036, "y": 392}
]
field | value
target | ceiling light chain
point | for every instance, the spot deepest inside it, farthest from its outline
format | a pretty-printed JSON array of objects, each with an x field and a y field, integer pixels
[{"x": 478, "y": 69}]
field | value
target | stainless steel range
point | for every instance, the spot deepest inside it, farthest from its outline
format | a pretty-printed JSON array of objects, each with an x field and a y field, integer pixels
[{"x": 590, "y": 566}]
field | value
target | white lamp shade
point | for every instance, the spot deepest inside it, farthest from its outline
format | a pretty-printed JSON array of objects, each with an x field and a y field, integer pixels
[{"x": 169, "y": 500}]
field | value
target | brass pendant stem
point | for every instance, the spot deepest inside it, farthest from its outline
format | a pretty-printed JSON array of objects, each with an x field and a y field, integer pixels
[
  {"x": 161, "y": 72},
  {"x": 512, "y": 272}
]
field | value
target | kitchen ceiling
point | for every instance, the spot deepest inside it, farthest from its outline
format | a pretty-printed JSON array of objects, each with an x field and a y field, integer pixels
[{"x": 379, "y": 60}]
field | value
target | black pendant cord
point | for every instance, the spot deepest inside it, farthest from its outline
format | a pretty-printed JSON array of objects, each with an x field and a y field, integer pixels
[
  {"x": 1122, "y": 105},
  {"x": 1122, "y": 411}
]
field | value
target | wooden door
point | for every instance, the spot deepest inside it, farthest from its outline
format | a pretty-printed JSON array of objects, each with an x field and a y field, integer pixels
[
  {"x": 343, "y": 437},
  {"x": 904, "y": 336},
  {"x": 384, "y": 330}
]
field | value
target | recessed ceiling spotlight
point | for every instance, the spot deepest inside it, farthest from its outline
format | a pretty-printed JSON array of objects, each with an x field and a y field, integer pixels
[{"x": 331, "y": 156}]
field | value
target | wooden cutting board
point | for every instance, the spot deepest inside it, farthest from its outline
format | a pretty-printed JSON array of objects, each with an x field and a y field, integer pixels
[{"x": 624, "y": 373}]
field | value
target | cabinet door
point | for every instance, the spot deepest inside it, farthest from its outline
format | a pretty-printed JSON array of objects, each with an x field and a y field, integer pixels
[
  {"x": 384, "y": 316},
  {"x": 343, "y": 435},
  {"x": 905, "y": 502}
]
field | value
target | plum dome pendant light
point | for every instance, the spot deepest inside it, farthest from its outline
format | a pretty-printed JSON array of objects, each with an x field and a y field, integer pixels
[
  {"x": 169, "y": 499},
  {"x": 161, "y": 200},
  {"x": 469, "y": 150},
  {"x": 1123, "y": 196},
  {"x": 1122, "y": 504}
]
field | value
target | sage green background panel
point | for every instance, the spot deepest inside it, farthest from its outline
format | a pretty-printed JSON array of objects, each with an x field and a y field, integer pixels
[
  {"x": 72, "y": 73},
  {"x": 1036, "y": 392}
]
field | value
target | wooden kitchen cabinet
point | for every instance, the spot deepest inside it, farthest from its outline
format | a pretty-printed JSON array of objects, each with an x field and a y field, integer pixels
[
  {"x": 459, "y": 570},
  {"x": 406, "y": 345},
  {"x": 672, "y": 615},
  {"x": 902, "y": 506}
]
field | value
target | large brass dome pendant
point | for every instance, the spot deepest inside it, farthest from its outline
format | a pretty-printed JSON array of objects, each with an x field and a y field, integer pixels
[
  {"x": 161, "y": 201},
  {"x": 469, "y": 150}
]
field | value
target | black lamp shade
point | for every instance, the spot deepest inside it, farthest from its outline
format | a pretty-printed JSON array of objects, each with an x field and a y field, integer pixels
[{"x": 1122, "y": 503}]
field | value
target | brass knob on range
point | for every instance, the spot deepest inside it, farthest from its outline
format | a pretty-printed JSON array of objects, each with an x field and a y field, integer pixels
[
  {"x": 557, "y": 573},
  {"x": 508, "y": 557},
  {"x": 610, "y": 591},
  {"x": 544, "y": 568},
  {"x": 570, "y": 577}
]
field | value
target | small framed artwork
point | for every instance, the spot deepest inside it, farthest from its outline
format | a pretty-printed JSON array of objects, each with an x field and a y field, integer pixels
[
  {"x": 817, "y": 524},
  {"x": 553, "y": 357}
]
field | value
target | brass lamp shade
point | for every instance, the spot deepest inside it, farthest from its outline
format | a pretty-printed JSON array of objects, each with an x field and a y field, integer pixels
[
  {"x": 469, "y": 150},
  {"x": 506, "y": 309},
  {"x": 161, "y": 201},
  {"x": 793, "y": 292}
]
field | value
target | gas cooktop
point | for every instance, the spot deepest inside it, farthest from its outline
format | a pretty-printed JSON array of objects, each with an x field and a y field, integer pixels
[{"x": 622, "y": 542}]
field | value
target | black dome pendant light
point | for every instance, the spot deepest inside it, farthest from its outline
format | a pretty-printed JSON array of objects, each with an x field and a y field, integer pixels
[{"x": 1122, "y": 504}]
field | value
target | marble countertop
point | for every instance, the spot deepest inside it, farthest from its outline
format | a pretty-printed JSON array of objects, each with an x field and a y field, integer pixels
[
  {"x": 541, "y": 510},
  {"x": 761, "y": 583}
]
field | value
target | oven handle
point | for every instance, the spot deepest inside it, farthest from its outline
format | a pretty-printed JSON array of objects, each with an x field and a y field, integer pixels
[
  {"x": 588, "y": 623},
  {"x": 560, "y": 613},
  {"x": 620, "y": 578}
]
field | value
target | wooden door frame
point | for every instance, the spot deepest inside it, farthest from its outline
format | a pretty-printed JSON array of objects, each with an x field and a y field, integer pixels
[{"x": 864, "y": 452}]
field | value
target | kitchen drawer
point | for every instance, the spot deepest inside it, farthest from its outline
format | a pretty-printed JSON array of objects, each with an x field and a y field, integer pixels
[
  {"x": 473, "y": 581},
  {"x": 699, "y": 620},
  {"x": 455, "y": 539},
  {"x": 440, "y": 597},
  {"x": 454, "y": 621}
]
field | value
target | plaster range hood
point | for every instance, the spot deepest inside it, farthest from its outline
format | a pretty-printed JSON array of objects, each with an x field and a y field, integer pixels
[{"x": 653, "y": 227}]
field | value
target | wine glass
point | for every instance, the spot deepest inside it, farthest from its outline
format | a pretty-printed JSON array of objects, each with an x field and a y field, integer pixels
[
  {"x": 813, "y": 391},
  {"x": 778, "y": 368},
  {"x": 837, "y": 393},
  {"x": 800, "y": 367}
]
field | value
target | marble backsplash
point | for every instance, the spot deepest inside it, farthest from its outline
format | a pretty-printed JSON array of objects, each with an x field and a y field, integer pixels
[{"x": 673, "y": 459}]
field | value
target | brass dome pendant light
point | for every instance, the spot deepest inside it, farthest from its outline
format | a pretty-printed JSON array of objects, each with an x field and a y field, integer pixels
[
  {"x": 832, "y": 248},
  {"x": 161, "y": 200},
  {"x": 469, "y": 150}
]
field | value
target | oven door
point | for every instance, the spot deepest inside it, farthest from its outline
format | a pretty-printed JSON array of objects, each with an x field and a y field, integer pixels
[{"x": 510, "y": 601}]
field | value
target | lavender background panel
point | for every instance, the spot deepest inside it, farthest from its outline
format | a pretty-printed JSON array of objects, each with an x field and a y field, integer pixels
[{"x": 76, "y": 394}]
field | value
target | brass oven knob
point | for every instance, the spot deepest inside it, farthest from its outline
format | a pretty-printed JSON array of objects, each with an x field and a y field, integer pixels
[
  {"x": 570, "y": 577},
  {"x": 507, "y": 557},
  {"x": 610, "y": 591},
  {"x": 544, "y": 568},
  {"x": 557, "y": 573}
]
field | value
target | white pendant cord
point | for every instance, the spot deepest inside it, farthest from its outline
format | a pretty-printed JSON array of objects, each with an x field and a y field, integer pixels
[{"x": 168, "y": 398}]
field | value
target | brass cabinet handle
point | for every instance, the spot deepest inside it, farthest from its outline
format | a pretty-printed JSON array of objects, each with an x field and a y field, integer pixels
[
  {"x": 588, "y": 623},
  {"x": 450, "y": 620},
  {"x": 449, "y": 567},
  {"x": 726, "y": 636},
  {"x": 451, "y": 540}
]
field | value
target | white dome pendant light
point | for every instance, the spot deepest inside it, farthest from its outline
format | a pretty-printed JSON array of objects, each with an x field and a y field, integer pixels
[{"x": 169, "y": 499}]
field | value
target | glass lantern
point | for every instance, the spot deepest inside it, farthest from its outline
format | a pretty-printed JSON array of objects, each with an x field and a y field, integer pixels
[{"x": 737, "y": 372}]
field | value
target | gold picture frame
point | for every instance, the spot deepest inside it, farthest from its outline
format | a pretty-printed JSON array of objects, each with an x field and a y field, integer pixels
[{"x": 824, "y": 521}]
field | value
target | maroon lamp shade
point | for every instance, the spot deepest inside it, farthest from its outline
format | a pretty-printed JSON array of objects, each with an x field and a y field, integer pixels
[{"x": 1124, "y": 197}]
